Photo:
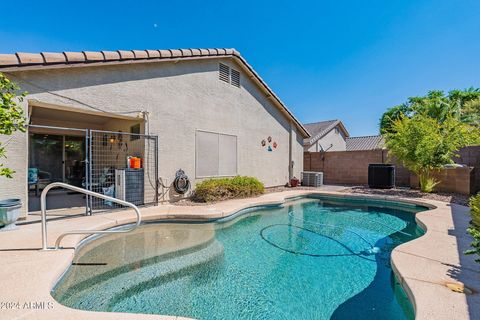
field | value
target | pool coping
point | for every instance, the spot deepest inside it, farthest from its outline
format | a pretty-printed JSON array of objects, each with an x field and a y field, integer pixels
[{"x": 423, "y": 266}]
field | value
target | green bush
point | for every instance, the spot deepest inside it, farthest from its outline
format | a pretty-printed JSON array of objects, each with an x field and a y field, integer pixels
[
  {"x": 227, "y": 188},
  {"x": 474, "y": 229}
]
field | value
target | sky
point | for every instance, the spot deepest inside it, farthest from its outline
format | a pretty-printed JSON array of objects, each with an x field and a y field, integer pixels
[{"x": 347, "y": 60}]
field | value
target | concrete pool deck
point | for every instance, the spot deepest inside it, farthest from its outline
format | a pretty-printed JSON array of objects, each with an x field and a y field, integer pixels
[{"x": 423, "y": 266}]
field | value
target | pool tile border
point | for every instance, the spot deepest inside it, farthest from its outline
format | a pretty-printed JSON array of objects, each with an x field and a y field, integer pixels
[{"x": 28, "y": 275}]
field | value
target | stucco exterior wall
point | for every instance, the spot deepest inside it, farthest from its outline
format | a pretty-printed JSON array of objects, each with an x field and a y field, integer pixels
[
  {"x": 16, "y": 147},
  {"x": 181, "y": 98},
  {"x": 334, "y": 140}
]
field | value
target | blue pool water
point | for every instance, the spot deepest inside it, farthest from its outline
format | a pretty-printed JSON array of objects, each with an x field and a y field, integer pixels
[{"x": 314, "y": 258}]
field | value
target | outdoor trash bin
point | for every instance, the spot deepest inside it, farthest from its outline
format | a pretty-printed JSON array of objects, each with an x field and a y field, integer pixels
[{"x": 9, "y": 213}]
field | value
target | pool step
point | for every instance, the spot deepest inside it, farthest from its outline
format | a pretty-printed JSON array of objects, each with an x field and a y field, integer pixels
[{"x": 113, "y": 289}]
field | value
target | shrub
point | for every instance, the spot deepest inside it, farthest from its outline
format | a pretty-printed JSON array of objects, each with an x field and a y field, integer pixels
[
  {"x": 12, "y": 117},
  {"x": 427, "y": 184},
  {"x": 424, "y": 144},
  {"x": 474, "y": 229},
  {"x": 227, "y": 188}
]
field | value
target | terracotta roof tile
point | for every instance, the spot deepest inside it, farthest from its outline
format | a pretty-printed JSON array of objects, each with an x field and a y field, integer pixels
[
  {"x": 111, "y": 55},
  {"x": 75, "y": 56},
  {"x": 196, "y": 52},
  {"x": 153, "y": 53},
  {"x": 165, "y": 53},
  {"x": 93, "y": 55},
  {"x": 29, "y": 58},
  {"x": 18, "y": 61},
  {"x": 126, "y": 55},
  {"x": 186, "y": 52},
  {"x": 8, "y": 60},
  {"x": 176, "y": 53},
  {"x": 54, "y": 57},
  {"x": 212, "y": 52},
  {"x": 140, "y": 54}
]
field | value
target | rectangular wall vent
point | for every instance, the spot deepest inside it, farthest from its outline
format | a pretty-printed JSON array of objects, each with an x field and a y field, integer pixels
[
  {"x": 235, "y": 78},
  {"x": 228, "y": 75},
  {"x": 224, "y": 73}
]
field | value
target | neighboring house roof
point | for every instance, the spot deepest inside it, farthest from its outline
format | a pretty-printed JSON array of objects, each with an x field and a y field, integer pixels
[
  {"x": 31, "y": 61},
  {"x": 365, "y": 143},
  {"x": 319, "y": 129}
]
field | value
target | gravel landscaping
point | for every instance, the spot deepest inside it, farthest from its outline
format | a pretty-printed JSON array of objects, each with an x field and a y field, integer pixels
[
  {"x": 411, "y": 193},
  {"x": 399, "y": 192}
]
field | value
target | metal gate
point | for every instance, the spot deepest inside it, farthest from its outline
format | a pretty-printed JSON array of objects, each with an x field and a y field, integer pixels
[
  {"x": 117, "y": 164},
  {"x": 124, "y": 166}
]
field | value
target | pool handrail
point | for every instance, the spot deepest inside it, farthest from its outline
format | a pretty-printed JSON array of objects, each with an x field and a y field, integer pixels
[{"x": 43, "y": 208}]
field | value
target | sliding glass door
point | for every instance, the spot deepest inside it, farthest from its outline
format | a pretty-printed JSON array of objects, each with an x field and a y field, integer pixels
[{"x": 57, "y": 158}]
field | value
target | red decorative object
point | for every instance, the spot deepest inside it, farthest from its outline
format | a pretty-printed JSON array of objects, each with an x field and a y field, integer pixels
[
  {"x": 264, "y": 143},
  {"x": 275, "y": 145},
  {"x": 269, "y": 139},
  {"x": 294, "y": 182}
]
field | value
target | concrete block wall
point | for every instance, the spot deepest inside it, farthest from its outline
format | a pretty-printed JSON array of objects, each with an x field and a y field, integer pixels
[
  {"x": 351, "y": 168},
  {"x": 343, "y": 167},
  {"x": 471, "y": 157},
  {"x": 457, "y": 180}
]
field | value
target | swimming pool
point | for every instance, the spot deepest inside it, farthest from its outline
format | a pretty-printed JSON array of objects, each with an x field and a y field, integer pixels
[{"x": 312, "y": 258}]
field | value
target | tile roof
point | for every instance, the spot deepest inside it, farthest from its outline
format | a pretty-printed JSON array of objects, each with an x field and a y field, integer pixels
[
  {"x": 365, "y": 143},
  {"x": 31, "y": 61},
  {"x": 22, "y": 59},
  {"x": 320, "y": 129}
]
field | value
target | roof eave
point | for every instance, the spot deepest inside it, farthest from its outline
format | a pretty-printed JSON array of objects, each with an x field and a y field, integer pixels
[{"x": 23, "y": 62}]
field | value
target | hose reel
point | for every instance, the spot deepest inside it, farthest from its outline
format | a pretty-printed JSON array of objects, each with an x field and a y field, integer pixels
[{"x": 181, "y": 184}]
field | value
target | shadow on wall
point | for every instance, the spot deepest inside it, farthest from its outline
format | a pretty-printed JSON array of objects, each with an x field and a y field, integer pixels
[{"x": 54, "y": 79}]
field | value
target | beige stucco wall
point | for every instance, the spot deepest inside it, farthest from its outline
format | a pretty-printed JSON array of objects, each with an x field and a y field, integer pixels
[
  {"x": 16, "y": 152},
  {"x": 332, "y": 141},
  {"x": 181, "y": 98}
]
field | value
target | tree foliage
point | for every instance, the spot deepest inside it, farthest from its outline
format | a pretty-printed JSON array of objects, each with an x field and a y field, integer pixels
[
  {"x": 474, "y": 229},
  {"x": 423, "y": 143},
  {"x": 461, "y": 104},
  {"x": 11, "y": 115}
]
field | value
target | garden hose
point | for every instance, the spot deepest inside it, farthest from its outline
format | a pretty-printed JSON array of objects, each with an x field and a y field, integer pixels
[{"x": 181, "y": 184}]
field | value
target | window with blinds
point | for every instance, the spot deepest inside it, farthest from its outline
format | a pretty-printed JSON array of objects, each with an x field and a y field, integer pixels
[{"x": 215, "y": 154}]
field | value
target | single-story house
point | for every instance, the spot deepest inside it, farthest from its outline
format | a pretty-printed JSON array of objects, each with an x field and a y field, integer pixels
[
  {"x": 328, "y": 135},
  {"x": 95, "y": 116},
  {"x": 332, "y": 135}
]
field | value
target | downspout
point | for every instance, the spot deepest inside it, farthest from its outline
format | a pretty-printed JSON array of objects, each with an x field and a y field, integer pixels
[{"x": 290, "y": 153}]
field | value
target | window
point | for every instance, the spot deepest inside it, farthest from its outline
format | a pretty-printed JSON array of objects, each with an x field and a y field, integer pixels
[
  {"x": 228, "y": 75},
  {"x": 215, "y": 154},
  {"x": 135, "y": 129}
]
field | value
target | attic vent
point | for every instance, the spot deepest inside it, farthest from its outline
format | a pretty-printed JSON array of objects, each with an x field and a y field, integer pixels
[
  {"x": 229, "y": 75},
  {"x": 224, "y": 73},
  {"x": 235, "y": 78}
]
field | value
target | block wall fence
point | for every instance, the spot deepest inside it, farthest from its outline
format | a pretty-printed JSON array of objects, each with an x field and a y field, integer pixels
[{"x": 351, "y": 168}]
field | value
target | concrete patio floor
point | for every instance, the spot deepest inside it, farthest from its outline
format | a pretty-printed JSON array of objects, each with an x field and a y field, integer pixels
[{"x": 423, "y": 266}]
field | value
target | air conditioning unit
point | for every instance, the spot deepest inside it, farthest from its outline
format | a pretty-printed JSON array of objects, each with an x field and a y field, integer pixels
[
  {"x": 129, "y": 185},
  {"x": 381, "y": 176},
  {"x": 312, "y": 179}
]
